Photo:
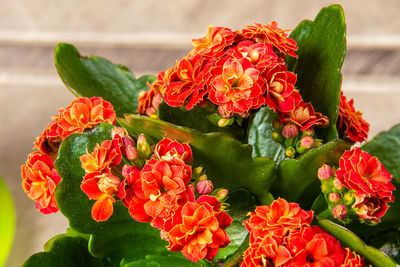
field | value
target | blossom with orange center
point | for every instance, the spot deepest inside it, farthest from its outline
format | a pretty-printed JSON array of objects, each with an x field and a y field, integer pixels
[
  {"x": 236, "y": 85},
  {"x": 103, "y": 157},
  {"x": 304, "y": 116},
  {"x": 312, "y": 246},
  {"x": 266, "y": 251},
  {"x": 184, "y": 84},
  {"x": 101, "y": 187},
  {"x": 365, "y": 174},
  {"x": 350, "y": 122},
  {"x": 272, "y": 34},
  {"x": 278, "y": 217},
  {"x": 84, "y": 113},
  {"x": 352, "y": 259},
  {"x": 201, "y": 231},
  {"x": 169, "y": 150},
  {"x": 281, "y": 94},
  {"x": 39, "y": 181},
  {"x": 214, "y": 43},
  {"x": 49, "y": 141}
]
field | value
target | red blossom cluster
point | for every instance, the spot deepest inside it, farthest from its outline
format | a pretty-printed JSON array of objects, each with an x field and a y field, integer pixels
[
  {"x": 158, "y": 193},
  {"x": 281, "y": 235},
  {"x": 239, "y": 71},
  {"x": 39, "y": 177},
  {"x": 350, "y": 123}
]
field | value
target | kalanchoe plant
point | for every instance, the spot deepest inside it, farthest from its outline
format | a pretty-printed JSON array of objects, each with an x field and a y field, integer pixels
[{"x": 240, "y": 154}]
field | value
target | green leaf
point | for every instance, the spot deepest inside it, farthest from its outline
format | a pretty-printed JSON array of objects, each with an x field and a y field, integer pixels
[
  {"x": 197, "y": 118},
  {"x": 260, "y": 131},
  {"x": 7, "y": 221},
  {"x": 241, "y": 202},
  {"x": 120, "y": 235},
  {"x": 96, "y": 76},
  {"x": 349, "y": 239},
  {"x": 388, "y": 243},
  {"x": 298, "y": 180},
  {"x": 322, "y": 48},
  {"x": 166, "y": 261},
  {"x": 227, "y": 162},
  {"x": 65, "y": 251}
]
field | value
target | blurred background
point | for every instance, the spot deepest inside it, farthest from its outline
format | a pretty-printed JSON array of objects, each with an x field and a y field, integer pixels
[{"x": 148, "y": 36}]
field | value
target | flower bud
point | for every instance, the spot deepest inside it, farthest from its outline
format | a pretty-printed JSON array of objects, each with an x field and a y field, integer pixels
[
  {"x": 225, "y": 122},
  {"x": 326, "y": 188},
  {"x": 197, "y": 171},
  {"x": 317, "y": 143},
  {"x": 204, "y": 187},
  {"x": 290, "y": 130},
  {"x": 348, "y": 198},
  {"x": 143, "y": 146},
  {"x": 290, "y": 152},
  {"x": 325, "y": 172},
  {"x": 221, "y": 194},
  {"x": 277, "y": 124},
  {"x": 338, "y": 184},
  {"x": 306, "y": 142},
  {"x": 108, "y": 183},
  {"x": 277, "y": 137},
  {"x": 203, "y": 177},
  {"x": 125, "y": 170},
  {"x": 117, "y": 131},
  {"x": 308, "y": 132},
  {"x": 334, "y": 197},
  {"x": 339, "y": 212}
]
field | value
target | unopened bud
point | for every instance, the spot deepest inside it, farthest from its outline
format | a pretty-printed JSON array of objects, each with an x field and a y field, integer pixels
[
  {"x": 108, "y": 183},
  {"x": 290, "y": 130},
  {"x": 317, "y": 143},
  {"x": 143, "y": 146},
  {"x": 290, "y": 152},
  {"x": 277, "y": 137},
  {"x": 131, "y": 153},
  {"x": 334, "y": 197},
  {"x": 126, "y": 170},
  {"x": 348, "y": 198},
  {"x": 204, "y": 187},
  {"x": 308, "y": 132},
  {"x": 197, "y": 171},
  {"x": 117, "y": 131},
  {"x": 325, "y": 172},
  {"x": 203, "y": 177},
  {"x": 221, "y": 194},
  {"x": 326, "y": 188},
  {"x": 225, "y": 122},
  {"x": 277, "y": 124},
  {"x": 306, "y": 142},
  {"x": 338, "y": 184},
  {"x": 339, "y": 212}
]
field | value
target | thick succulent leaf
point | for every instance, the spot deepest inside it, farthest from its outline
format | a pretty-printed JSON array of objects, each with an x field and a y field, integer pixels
[
  {"x": 388, "y": 243},
  {"x": 349, "y": 239},
  {"x": 7, "y": 221},
  {"x": 322, "y": 48},
  {"x": 65, "y": 251},
  {"x": 259, "y": 136},
  {"x": 227, "y": 162},
  {"x": 197, "y": 118},
  {"x": 297, "y": 179},
  {"x": 120, "y": 235},
  {"x": 96, "y": 76},
  {"x": 166, "y": 261}
]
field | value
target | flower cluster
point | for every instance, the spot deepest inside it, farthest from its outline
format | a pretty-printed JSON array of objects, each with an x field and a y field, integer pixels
[
  {"x": 158, "y": 191},
  {"x": 281, "y": 235},
  {"x": 39, "y": 177},
  {"x": 238, "y": 71},
  {"x": 361, "y": 184},
  {"x": 350, "y": 123}
]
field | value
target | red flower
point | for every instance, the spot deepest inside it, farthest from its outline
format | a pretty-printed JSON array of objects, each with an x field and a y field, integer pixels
[
  {"x": 281, "y": 94},
  {"x": 39, "y": 181},
  {"x": 350, "y": 122},
  {"x": 103, "y": 157},
  {"x": 101, "y": 187},
  {"x": 266, "y": 251},
  {"x": 236, "y": 85},
  {"x": 365, "y": 174},
  {"x": 201, "y": 232},
  {"x": 370, "y": 208},
  {"x": 280, "y": 216},
  {"x": 169, "y": 150},
  {"x": 214, "y": 43},
  {"x": 272, "y": 34},
  {"x": 312, "y": 246},
  {"x": 149, "y": 102},
  {"x": 84, "y": 113},
  {"x": 185, "y": 82},
  {"x": 304, "y": 116},
  {"x": 352, "y": 259}
]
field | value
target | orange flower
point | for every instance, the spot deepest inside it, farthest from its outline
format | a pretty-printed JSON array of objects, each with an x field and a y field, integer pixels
[
  {"x": 101, "y": 187},
  {"x": 275, "y": 217},
  {"x": 39, "y": 181},
  {"x": 169, "y": 150},
  {"x": 84, "y": 113},
  {"x": 201, "y": 232},
  {"x": 214, "y": 43},
  {"x": 350, "y": 122},
  {"x": 149, "y": 102},
  {"x": 352, "y": 259},
  {"x": 49, "y": 141},
  {"x": 104, "y": 156},
  {"x": 272, "y": 34}
]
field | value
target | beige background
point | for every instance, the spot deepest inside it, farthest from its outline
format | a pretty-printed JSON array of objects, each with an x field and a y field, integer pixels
[{"x": 148, "y": 36}]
